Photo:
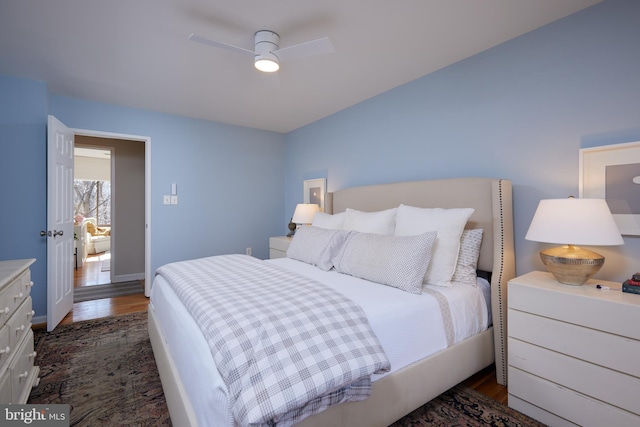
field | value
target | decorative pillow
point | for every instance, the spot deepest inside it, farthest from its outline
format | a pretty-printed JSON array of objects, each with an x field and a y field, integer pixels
[
  {"x": 395, "y": 261},
  {"x": 380, "y": 222},
  {"x": 325, "y": 220},
  {"x": 316, "y": 246},
  {"x": 470, "y": 242},
  {"x": 449, "y": 223}
]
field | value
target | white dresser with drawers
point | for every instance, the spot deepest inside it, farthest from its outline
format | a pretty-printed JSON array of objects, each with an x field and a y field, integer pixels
[
  {"x": 574, "y": 352},
  {"x": 17, "y": 371}
]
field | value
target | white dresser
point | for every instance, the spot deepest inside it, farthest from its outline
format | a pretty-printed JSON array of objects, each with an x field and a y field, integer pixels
[
  {"x": 573, "y": 352},
  {"x": 278, "y": 246},
  {"x": 17, "y": 371}
]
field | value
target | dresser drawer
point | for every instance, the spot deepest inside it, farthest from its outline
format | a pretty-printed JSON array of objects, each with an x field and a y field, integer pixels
[
  {"x": 609, "y": 350},
  {"x": 20, "y": 323},
  {"x": 5, "y": 386},
  {"x": 23, "y": 373},
  {"x": 529, "y": 394},
  {"x": 603, "y": 310},
  {"x": 5, "y": 350},
  {"x": 608, "y": 386},
  {"x": 13, "y": 295}
]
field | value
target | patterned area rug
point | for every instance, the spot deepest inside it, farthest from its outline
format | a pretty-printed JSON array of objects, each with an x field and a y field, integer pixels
[{"x": 106, "y": 371}]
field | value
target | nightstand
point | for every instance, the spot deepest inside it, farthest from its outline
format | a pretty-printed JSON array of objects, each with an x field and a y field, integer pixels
[
  {"x": 278, "y": 246},
  {"x": 573, "y": 352}
]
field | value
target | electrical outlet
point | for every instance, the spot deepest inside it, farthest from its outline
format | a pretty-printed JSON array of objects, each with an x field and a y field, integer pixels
[
  {"x": 174, "y": 200},
  {"x": 166, "y": 200},
  {"x": 249, "y": 251}
]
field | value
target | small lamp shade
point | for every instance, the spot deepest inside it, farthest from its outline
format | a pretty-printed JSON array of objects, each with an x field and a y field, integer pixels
[
  {"x": 304, "y": 213},
  {"x": 572, "y": 222}
]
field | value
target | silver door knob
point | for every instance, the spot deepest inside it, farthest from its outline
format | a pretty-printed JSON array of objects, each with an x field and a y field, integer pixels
[
  {"x": 45, "y": 233},
  {"x": 57, "y": 233}
]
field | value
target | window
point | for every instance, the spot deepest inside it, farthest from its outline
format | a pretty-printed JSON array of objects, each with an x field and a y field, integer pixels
[{"x": 92, "y": 199}]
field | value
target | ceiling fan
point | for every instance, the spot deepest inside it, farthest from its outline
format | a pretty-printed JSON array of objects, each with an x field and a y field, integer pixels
[{"x": 267, "y": 54}]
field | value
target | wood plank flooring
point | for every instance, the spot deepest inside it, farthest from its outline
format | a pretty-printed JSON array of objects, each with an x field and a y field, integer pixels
[{"x": 484, "y": 381}]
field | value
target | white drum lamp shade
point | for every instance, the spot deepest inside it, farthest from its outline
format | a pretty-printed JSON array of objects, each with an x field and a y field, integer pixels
[{"x": 572, "y": 222}]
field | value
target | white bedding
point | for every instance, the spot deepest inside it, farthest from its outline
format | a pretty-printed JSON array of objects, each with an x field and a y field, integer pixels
[{"x": 409, "y": 327}]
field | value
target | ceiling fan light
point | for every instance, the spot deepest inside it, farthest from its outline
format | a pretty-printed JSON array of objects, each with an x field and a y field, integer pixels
[{"x": 266, "y": 65}]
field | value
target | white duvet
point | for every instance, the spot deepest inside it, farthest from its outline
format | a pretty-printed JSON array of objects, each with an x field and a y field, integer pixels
[{"x": 409, "y": 327}]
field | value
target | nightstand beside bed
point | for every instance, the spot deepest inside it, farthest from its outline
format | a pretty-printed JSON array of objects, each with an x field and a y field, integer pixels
[
  {"x": 573, "y": 352},
  {"x": 278, "y": 246}
]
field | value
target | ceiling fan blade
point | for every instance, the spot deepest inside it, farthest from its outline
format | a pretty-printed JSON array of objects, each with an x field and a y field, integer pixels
[
  {"x": 214, "y": 43},
  {"x": 311, "y": 48}
]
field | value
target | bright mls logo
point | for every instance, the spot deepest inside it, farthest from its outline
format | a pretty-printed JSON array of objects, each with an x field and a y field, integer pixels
[{"x": 34, "y": 415}]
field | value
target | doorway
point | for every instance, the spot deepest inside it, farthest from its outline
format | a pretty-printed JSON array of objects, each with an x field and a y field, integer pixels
[
  {"x": 109, "y": 201},
  {"x": 60, "y": 251}
]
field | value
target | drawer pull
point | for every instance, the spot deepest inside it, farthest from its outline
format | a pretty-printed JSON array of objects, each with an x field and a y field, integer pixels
[
  {"x": 5, "y": 311},
  {"x": 30, "y": 284},
  {"x": 19, "y": 296},
  {"x": 20, "y": 328},
  {"x": 24, "y": 375},
  {"x": 33, "y": 354},
  {"x": 6, "y": 350}
]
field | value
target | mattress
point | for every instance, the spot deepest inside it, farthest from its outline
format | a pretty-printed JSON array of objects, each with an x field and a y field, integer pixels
[{"x": 408, "y": 326}]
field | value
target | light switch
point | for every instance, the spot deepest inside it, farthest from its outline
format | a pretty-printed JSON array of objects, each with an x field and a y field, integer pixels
[
  {"x": 166, "y": 199},
  {"x": 174, "y": 200}
]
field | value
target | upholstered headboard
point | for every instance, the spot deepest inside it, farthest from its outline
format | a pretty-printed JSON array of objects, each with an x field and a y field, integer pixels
[{"x": 492, "y": 201}]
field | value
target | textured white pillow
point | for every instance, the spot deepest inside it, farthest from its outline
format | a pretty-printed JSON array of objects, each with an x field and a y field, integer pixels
[
  {"x": 449, "y": 223},
  {"x": 380, "y": 222},
  {"x": 316, "y": 246},
  {"x": 332, "y": 222},
  {"x": 395, "y": 261},
  {"x": 470, "y": 242}
]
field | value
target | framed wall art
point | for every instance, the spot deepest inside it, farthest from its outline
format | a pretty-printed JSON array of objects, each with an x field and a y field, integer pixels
[
  {"x": 314, "y": 191},
  {"x": 612, "y": 172}
]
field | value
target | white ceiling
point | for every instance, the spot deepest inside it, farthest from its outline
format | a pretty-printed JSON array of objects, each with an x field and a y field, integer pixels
[{"x": 136, "y": 53}]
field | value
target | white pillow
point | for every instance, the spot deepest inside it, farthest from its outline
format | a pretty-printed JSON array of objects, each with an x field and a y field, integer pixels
[
  {"x": 470, "y": 242},
  {"x": 449, "y": 223},
  {"x": 316, "y": 246},
  {"x": 325, "y": 220},
  {"x": 380, "y": 222},
  {"x": 395, "y": 261}
]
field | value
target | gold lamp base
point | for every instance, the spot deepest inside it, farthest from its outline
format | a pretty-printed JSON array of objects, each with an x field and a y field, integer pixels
[{"x": 572, "y": 265}]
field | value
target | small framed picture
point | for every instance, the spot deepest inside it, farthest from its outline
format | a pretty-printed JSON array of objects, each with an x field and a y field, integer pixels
[
  {"x": 314, "y": 191},
  {"x": 612, "y": 172}
]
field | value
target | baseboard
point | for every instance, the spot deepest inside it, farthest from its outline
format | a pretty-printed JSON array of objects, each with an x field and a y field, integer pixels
[
  {"x": 39, "y": 320},
  {"x": 128, "y": 277}
]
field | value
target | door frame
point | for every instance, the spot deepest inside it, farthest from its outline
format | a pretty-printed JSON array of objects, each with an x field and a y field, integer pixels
[{"x": 147, "y": 192}]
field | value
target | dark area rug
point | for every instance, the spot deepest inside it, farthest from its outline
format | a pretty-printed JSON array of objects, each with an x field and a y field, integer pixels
[
  {"x": 105, "y": 370},
  {"x": 462, "y": 406}
]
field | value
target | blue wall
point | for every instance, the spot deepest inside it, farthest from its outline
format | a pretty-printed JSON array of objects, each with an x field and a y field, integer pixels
[
  {"x": 23, "y": 174},
  {"x": 521, "y": 111},
  {"x": 230, "y": 179}
]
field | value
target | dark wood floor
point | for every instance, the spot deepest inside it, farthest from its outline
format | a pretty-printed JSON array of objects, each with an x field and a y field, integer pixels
[{"x": 484, "y": 381}]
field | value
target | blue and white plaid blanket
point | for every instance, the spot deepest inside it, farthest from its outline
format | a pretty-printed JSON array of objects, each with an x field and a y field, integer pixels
[{"x": 286, "y": 346}]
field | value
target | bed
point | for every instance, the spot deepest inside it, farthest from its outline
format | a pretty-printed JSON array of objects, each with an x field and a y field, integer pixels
[{"x": 394, "y": 394}]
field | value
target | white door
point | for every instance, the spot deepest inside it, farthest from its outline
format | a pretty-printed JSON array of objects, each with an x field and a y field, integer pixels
[{"x": 59, "y": 222}]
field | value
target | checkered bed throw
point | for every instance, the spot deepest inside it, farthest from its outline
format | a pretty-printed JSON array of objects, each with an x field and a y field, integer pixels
[{"x": 287, "y": 347}]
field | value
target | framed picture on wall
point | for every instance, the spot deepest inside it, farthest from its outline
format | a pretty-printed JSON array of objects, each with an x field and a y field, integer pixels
[
  {"x": 314, "y": 191},
  {"x": 612, "y": 172}
]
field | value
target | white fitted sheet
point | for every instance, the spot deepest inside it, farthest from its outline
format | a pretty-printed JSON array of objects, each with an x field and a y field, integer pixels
[{"x": 408, "y": 326}]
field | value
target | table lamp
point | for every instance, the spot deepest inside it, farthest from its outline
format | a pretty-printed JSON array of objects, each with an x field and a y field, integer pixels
[
  {"x": 572, "y": 222},
  {"x": 303, "y": 214}
]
